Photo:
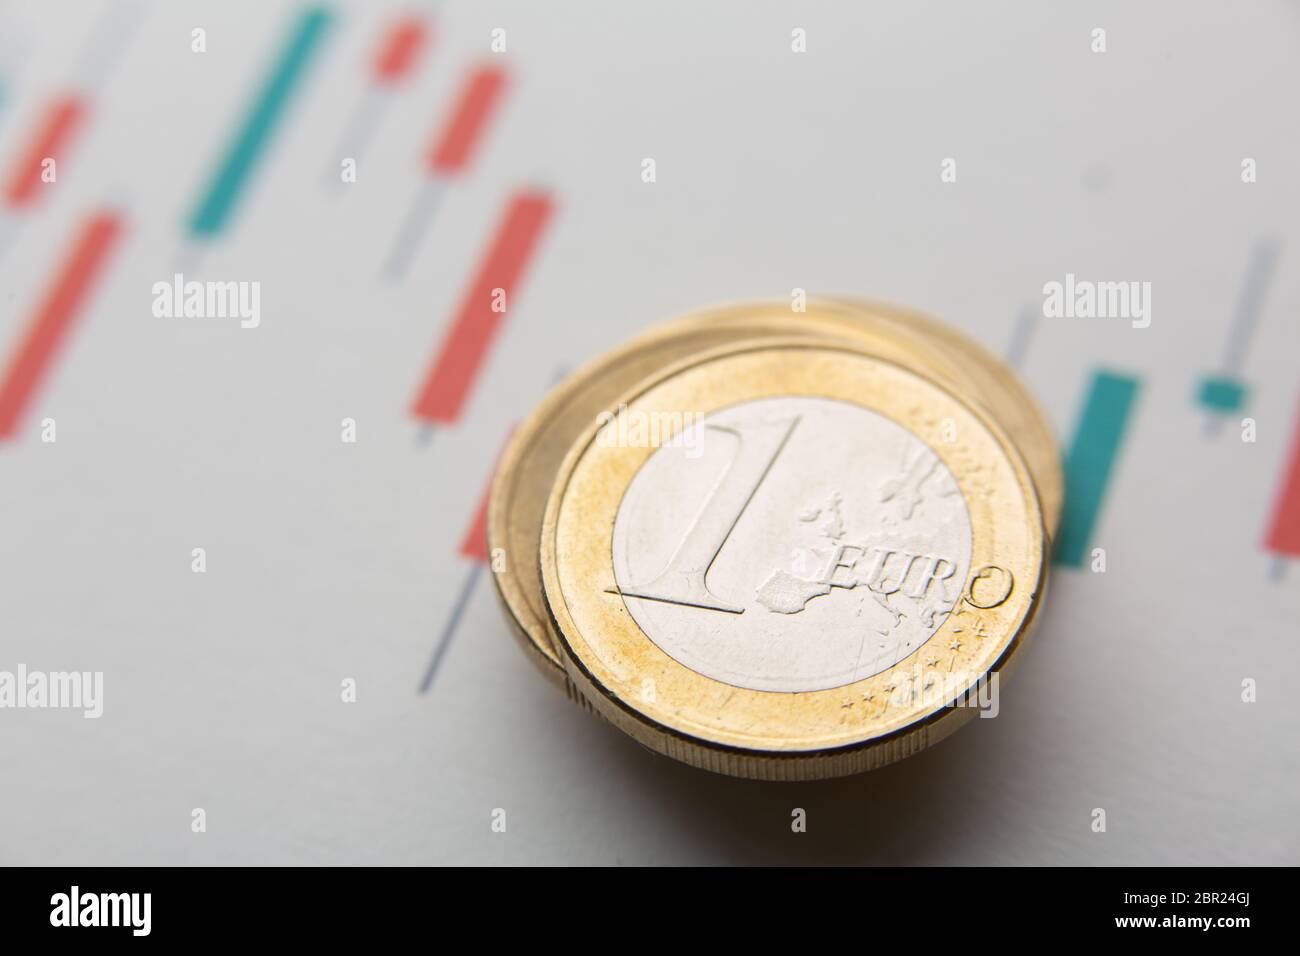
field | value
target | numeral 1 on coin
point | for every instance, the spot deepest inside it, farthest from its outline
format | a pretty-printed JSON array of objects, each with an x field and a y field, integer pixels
[{"x": 683, "y": 580}]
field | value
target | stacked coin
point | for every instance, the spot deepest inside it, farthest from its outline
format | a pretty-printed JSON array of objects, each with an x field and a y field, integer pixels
[{"x": 780, "y": 544}]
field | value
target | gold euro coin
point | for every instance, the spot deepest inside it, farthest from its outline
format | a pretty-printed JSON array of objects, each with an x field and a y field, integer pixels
[
  {"x": 530, "y": 463},
  {"x": 791, "y": 559}
]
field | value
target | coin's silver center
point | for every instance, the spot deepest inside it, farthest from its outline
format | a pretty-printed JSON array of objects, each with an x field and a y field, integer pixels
[{"x": 791, "y": 544}]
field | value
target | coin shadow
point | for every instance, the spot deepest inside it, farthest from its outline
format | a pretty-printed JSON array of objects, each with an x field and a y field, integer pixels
[{"x": 912, "y": 812}]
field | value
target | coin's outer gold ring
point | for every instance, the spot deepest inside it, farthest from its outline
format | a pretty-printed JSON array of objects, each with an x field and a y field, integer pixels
[
  {"x": 906, "y": 337},
  {"x": 799, "y": 735}
]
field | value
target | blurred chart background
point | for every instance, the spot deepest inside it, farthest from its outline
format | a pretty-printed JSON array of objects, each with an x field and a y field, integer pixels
[{"x": 480, "y": 166}]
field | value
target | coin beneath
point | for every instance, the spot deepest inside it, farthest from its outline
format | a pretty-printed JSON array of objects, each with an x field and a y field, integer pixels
[
  {"x": 529, "y": 465},
  {"x": 789, "y": 559}
]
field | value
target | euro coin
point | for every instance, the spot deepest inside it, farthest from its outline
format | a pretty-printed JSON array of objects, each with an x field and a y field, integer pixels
[
  {"x": 529, "y": 465},
  {"x": 791, "y": 559}
]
